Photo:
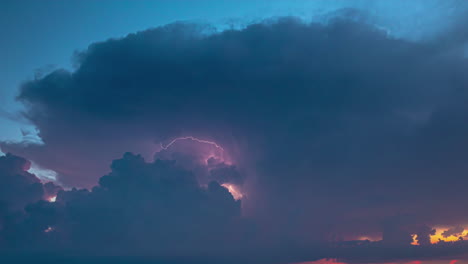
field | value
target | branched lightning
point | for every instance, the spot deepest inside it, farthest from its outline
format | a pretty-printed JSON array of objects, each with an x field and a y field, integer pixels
[
  {"x": 232, "y": 188},
  {"x": 191, "y": 138}
]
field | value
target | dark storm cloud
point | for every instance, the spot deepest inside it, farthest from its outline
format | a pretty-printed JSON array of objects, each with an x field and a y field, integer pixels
[
  {"x": 455, "y": 231},
  {"x": 342, "y": 125},
  {"x": 19, "y": 187},
  {"x": 227, "y": 174},
  {"x": 159, "y": 212},
  {"x": 206, "y": 161},
  {"x": 424, "y": 234},
  {"x": 286, "y": 78},
  {"x": 153, "y": 209}
]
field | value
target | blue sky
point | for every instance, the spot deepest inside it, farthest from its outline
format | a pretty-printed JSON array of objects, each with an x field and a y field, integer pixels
[{"x": 59, "y": 28}]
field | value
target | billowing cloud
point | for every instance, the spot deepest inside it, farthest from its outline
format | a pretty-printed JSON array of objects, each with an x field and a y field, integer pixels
[
  {"x": 150, "y": 209},
  {"x": 332, "y": 129},
  {"x": 424, "y": 234},
  {"x": 455, "y": 231},
  {"x": 158, "y": 212},
  {"x": 19, "y": 187}
]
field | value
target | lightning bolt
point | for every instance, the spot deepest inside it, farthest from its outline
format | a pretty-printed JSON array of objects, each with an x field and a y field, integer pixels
[{"x": 191, "y": 138}]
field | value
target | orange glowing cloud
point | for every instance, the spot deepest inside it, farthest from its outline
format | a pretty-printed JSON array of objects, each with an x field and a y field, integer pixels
[{"x": 439, "y": 237}]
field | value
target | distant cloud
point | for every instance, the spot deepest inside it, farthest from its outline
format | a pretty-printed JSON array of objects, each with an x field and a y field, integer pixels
[{"x": 455, "y": 231}]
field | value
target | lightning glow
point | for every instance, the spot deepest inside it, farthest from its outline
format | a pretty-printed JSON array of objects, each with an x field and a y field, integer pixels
[{"x": 233, "y": 190}]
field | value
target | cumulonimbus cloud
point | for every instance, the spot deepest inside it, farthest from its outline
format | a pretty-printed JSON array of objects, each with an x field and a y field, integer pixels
[{"x": 343, "y": 125}]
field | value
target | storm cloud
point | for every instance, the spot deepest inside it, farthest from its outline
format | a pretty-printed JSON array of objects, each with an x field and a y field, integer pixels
[
  {"x": 19, "y": 187},
  {"x": 331, "y": 129}
]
